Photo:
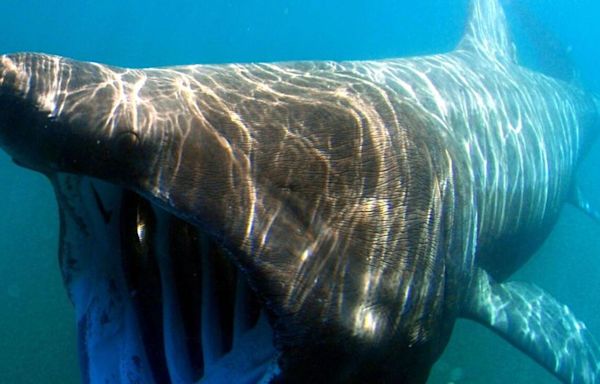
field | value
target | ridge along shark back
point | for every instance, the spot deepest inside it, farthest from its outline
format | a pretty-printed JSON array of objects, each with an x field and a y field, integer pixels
[{"x": 307, "y": 221}]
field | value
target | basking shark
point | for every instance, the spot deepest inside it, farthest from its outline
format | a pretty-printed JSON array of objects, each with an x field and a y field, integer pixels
[{"x": 308, "y": 221}]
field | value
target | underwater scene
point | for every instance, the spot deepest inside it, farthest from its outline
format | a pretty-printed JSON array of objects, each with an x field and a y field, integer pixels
[{"x": 38, "y": 335}]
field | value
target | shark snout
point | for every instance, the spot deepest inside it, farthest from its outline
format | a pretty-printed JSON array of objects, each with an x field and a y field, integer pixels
[
  {"x": 32, "y": 89},
  {"x": 36, "y": 78}
]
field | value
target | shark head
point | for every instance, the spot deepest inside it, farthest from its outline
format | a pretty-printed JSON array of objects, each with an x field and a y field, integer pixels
[
  {"x": 292, "y": 222},
  {"x": 182, "y": 233},
  {"x": 151, "y": 167},
  {"x": 56, "y": 116}
]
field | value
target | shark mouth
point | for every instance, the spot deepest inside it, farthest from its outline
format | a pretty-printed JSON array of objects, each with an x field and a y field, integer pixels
[{"x": 157, "y": 300}]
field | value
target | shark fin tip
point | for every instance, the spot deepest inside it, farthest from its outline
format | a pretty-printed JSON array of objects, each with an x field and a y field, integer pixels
[{"x": 487, "y": 31}]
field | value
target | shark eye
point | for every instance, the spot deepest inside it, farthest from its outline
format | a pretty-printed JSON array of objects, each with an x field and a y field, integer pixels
[{"x": 126, "y": 142}]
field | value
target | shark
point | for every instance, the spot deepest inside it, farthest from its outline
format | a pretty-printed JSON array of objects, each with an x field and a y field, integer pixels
[{"x": 304, "y": 221}]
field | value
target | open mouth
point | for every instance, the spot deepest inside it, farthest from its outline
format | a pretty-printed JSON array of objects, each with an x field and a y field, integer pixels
[{"x": 157, "y": 300}]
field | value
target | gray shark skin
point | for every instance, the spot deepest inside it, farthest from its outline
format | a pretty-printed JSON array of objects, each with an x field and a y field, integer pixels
[{"x": 306, "y": 221}]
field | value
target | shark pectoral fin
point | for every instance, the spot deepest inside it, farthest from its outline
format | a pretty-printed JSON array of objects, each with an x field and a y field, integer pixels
[
  {"x": 533, "y": 321},
  {"x": 580, "y": 200}
]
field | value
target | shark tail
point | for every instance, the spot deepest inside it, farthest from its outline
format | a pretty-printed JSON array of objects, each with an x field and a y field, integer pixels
[
  {"x": 534, "y": 322},
  {"x": 582, "y": 202},
  {"x": 577, "y": 197}
]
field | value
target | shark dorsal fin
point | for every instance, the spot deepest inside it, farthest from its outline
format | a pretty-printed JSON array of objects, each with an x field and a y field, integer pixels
[{"x": 487, "y": 32}]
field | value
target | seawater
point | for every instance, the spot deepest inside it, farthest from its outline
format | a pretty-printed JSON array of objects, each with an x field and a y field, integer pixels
[{"x": 37, "y": 327}]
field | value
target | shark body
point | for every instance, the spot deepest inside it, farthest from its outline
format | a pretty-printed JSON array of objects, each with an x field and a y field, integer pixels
[{"x": 307, "y": 221}]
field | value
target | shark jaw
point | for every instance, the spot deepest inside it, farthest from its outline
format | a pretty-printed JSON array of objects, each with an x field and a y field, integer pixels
[{"x": 147, "y": 311}]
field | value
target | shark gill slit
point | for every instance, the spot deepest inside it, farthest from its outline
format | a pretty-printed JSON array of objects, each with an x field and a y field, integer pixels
[
  {"x": 142, "y": 275},
  {"x": 215, "y": 305}
]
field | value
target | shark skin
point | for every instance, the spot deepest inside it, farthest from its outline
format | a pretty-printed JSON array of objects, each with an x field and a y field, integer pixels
[{"x": 304, "y": 221}]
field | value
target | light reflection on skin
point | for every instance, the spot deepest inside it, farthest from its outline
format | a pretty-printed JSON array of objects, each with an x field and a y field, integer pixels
[{"x": 345, "y": 185}]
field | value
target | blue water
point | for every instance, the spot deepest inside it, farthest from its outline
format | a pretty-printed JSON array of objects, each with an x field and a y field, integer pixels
[{"x": 37, "y": 340}]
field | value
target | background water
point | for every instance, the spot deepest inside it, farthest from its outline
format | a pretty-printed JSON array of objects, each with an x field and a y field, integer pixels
[{"x": 37, "y": 339}]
